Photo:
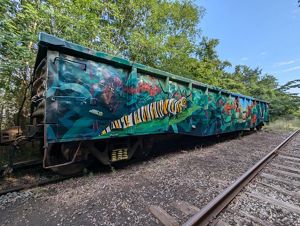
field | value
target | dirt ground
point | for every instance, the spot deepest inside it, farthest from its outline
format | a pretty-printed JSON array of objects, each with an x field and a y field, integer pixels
[{"x": 123, "y": 195}]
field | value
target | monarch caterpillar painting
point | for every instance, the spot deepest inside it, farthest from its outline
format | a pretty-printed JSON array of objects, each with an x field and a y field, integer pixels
[{"x": 154, "y": 110}]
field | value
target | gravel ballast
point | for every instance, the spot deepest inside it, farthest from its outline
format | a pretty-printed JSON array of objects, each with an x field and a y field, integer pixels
[
  {"x": 124, "y": 195},
  {"x": 260, "y": 203}
]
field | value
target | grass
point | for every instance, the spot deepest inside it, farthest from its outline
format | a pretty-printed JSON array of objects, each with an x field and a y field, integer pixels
[{"x": 284, "y": 124}]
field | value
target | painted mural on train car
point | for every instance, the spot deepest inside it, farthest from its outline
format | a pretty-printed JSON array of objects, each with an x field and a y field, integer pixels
[{"x": 92, "y": 100}]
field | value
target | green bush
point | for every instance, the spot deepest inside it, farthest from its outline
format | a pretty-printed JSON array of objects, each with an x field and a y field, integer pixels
[{"x": 284, "y": 124}]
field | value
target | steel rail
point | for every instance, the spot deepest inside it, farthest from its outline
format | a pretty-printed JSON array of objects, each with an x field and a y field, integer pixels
[
  {"x": 214, "y": 207},
  {"x": 23, "y": 164},
  {"x": 39, "y": 184}
]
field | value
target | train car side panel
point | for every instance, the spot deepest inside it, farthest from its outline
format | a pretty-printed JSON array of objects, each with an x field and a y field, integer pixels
[
  {"x": 94, "y": 96},
  {"x": 82, "y": 97}
]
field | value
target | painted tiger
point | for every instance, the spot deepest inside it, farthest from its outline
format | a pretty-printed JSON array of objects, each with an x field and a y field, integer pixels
[{"x": 158, "y": 109}]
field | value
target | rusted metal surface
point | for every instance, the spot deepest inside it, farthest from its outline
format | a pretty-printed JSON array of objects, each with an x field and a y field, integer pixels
[
  {"x": 9, "y": 135},
  {"x": 213, "y": 208},
  {"x": 38, "y": 184},
  {"x": 23, "y": 164}
]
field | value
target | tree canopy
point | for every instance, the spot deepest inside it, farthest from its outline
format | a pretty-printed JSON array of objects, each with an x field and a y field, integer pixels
[{"x": 162, "y": 34}]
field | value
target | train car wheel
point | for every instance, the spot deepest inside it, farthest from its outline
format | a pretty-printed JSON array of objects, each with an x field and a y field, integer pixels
[
  {"x": 71, "y": 169},
  {"x": 258, "y": 127},
  {"x": 144, "y": 150},
  {"x": 64, "y": 153}
]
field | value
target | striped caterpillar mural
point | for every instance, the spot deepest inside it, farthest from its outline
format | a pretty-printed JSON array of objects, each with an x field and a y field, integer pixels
[{"x": 158, "y": 109}]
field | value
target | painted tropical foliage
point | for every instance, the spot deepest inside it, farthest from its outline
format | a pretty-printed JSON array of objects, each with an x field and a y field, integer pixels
[{"x": 89, "y": 99}]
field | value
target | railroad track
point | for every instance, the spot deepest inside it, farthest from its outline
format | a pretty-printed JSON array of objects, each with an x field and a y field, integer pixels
[
  {"x": 278, "y": 172},
  {"x": 36, "y": 184},
  {"x": 190, "y": 210},
  {"x": 36, "y": 164},
  {"x": 43, "y": 177},
  {"x": 22, "y": 165}
]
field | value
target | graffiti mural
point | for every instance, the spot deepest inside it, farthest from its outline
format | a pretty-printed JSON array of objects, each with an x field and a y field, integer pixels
[
  {"x": 149, "y": 112},
  {"x": 91, "y": 95}
]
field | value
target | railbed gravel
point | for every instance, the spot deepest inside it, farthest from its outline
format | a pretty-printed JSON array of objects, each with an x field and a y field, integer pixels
[
  {"x": 268, "y": 213},
  {"x": 123, "y": 196}
]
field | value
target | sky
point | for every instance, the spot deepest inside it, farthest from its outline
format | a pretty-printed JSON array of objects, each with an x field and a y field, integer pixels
[{"x": 257, "y": 33}]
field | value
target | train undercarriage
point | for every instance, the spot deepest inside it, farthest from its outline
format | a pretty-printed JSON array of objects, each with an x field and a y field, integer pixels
[{"x": 69, "y": 158}]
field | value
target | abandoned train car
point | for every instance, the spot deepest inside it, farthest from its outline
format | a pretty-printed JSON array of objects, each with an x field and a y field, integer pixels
[{"x": 90, "y": 103}]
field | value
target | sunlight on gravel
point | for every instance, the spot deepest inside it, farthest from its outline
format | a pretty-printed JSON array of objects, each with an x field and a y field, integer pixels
[{"x": 123, "y": 196}]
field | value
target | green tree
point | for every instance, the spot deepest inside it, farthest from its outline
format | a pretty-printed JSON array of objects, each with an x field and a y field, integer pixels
[
  {"x": 163, "y": 34},
  {"x": 156, "y": 33},
  {"x": 267, "y": 88}
]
